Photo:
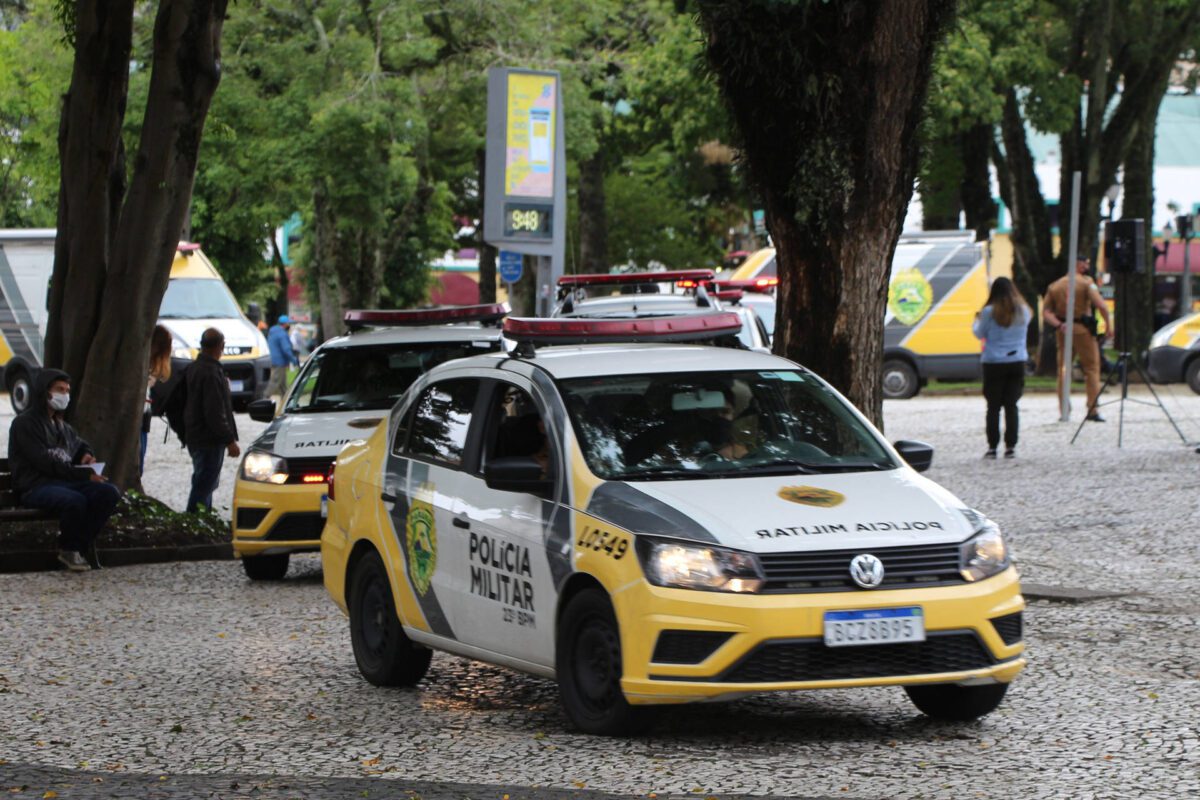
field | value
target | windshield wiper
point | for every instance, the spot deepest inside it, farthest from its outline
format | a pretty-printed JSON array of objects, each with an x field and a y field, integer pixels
[
  {"x": 664, "y": 472},
  {"x": 817, "y": 467}
]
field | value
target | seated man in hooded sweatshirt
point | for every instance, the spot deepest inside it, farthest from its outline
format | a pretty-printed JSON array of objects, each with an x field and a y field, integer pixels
[{"x": 49, "y": 462}]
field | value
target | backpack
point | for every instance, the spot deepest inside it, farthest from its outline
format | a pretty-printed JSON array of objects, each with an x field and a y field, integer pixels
[{"x": 170, "y": 400}]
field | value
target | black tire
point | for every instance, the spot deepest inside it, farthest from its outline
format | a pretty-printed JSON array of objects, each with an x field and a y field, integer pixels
[
  {"x": 946, "y": 701},
  {"x": 1191, "y": 374},
  {"x": 266, "y": 568},
  {"x": 900, "y": 380},
  {"x": 384, "y": 653},
  {"x": 588, "y": 667},
  {"x": 19, "y": 390}
]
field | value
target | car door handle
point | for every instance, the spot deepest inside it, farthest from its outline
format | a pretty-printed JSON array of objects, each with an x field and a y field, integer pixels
[{"x": 462, "y": 522}]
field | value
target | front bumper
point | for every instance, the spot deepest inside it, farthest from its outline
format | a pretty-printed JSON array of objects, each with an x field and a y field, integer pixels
[
  {"x": 1165, "y": 364},
  {"x": 774, "y": 642},
  {"x": 270, "y": 518}
]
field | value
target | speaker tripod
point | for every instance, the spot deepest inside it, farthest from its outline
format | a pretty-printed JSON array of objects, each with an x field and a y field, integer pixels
[{"x": 1121, "y": 368}]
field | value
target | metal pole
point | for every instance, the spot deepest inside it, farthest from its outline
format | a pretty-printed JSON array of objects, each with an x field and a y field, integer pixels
[
  {"x": 1069, "y": 338},
  {"x": 1185, "y": 293}
]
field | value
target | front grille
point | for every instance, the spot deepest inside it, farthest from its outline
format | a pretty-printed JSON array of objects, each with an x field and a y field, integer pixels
[
  {"x": 299, "y": 467},
  {"x": 1010, "y": 627},
  {"x": 297, "y": 527},
  {"x": 250, "y": 518},
  {"x": 811, "y": 660},
  {"x": 239, "y": 372},
  {"x": 829, "y": 570},
  {"x": 687, "y": 647}
]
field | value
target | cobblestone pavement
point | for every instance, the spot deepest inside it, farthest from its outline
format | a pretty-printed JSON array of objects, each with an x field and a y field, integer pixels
[{"x": 190, "y": 672}]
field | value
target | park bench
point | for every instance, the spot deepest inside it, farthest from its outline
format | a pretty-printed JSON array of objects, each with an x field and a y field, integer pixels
[{"x": 10, "y": 511}]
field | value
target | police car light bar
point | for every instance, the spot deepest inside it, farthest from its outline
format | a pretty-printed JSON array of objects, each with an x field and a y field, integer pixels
[
  {"x": 188, "y": 247},
  {"x": 363, "y": 318},
  {"x": 728, "y": 295},
  {"x": 627, "y": 278},
  {"x": 751, "y": 285},
  {"x": 560, "y": 330}
]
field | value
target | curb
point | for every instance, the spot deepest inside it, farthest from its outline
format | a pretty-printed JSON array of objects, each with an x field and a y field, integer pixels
[{"x": 47, "y": 560}]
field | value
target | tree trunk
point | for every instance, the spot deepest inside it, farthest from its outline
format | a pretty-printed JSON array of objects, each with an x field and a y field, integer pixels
[
  {"x": 1135, "y": 292},
  {"x": 112, "y": 384},
  {"x": 487, "y": 253},
  {"x": 976, "y": 188},
  {"x": 941, "y": 177},
  {"x": 324, "y": 265},
  {"x": 827, "y": 99},
  {"x": 593, "y": 222}
]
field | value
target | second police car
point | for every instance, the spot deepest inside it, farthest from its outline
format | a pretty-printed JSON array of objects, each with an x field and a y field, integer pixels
[
  {"x": 662, "y": 523},
  {"x": 343, "y": 392}
]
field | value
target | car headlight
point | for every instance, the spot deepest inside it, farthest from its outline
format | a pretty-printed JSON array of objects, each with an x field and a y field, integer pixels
[
  {"x": 984, "y": 554},
  {"x": 264, "y": 468},
  {"x": 690, "y": 566}
]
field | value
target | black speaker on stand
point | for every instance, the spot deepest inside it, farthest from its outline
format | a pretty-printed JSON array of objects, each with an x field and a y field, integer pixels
[{"x": 1125, "y": 255}]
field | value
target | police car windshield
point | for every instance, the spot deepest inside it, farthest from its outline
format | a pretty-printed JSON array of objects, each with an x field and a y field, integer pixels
[
  {"x": 371, "y": 377},
  {"x": 197, "y": 298},
  {"x": 717, "y": 424}
]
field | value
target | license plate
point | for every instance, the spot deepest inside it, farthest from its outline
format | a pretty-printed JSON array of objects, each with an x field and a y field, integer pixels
[
  {"x": 874, "y": 626},
  {"x": 236, "y": 386},
  {"x": 324, "y": 506}
]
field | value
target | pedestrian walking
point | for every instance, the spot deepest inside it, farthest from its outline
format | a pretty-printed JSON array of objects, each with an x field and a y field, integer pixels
[
  {"x": 1087, "y": 349},
  {"x": 209, "y": 427},
  {"x": 51, "y": 470},
  {"x": 282, "y": 356},
  {"x": 1003, "y": 324},
  {"x": 159, "y": 372}
]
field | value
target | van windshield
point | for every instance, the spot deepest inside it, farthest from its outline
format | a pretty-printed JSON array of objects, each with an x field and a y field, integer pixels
[{"x": 198, "y": 298}]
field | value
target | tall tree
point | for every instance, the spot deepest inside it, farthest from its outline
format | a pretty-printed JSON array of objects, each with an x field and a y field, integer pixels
[
  {"x": 827, "y": 99},
  {"x": 114, "y": 248}
]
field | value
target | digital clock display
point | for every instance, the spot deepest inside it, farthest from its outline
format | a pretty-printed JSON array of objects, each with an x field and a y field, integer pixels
[{"x": 528, "y": 220}]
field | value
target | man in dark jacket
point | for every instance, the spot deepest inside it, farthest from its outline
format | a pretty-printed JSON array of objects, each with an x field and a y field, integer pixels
[
  {"x": 208, "y": 419},
  {"x": 49, "y": 463}
]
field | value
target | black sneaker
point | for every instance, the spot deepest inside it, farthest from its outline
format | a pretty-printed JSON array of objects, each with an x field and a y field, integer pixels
[
  {"x": 991, "y": 453},
  {"x": 1095, "y": 418},
  {"x": 1010, "y": 453},
  {"x": 72, "y": 560}
]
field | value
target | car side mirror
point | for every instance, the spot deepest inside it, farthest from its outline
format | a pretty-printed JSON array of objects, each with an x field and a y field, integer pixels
[
  {"x": 261, "y": 410},
  {"x": 918, "y": 454},
  {"x": 516, "y": 474}
]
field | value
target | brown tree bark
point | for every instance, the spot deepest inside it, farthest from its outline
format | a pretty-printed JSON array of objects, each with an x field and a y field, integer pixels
[
  {"x": 111, "y": 383},
  {"x": 827, "y": 99},
  {"x": 593, "y": 221},
  {"x": 976, "y": 188},
  {"x": 1135, "y": 292},
  {"x": 939, "y": 183}
]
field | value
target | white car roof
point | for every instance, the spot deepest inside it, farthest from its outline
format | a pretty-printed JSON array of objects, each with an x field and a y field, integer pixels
[
  {"x": 422, "y": 334},
  {"x": 581, "y": 361}
]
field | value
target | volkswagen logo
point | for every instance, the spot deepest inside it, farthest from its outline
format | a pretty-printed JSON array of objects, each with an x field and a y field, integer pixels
[{"x": 866, "y": 570}]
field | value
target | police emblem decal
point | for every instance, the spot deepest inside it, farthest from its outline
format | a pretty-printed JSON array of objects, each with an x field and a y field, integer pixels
[
  {"x": 910, "y": 296},
  {"x": 812, "y": 496},
  {"x": 420, "y": 534}
]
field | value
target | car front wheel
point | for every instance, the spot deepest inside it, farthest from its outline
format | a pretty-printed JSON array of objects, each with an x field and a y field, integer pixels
[
  {"x": 384, "y": 653},
  {"x": 266, "y": 568},
  {"x": 946, "y": 701},
  {"x": 588, "y": 661},
  {"x": 1192, "y": 375},
  {"x": 900, "y": 380}
]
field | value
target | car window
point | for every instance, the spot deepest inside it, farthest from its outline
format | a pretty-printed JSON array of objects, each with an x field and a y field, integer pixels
[
  {"x": 198, "y": 298},
  {"x": 440, "y": 421},
  {"x": 717, "y": 424},
  {"x": 372, "y": 377},
  {"x": 517, "y": 429}
]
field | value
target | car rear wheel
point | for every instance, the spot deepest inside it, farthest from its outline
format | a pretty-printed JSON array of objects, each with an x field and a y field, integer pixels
[
  {"x": 384, "y": 653},
  {"x": 1192, "y": 375},
  {"x": 900, "y": 380},
  {"x": 266, "y": 568},
  {"x": 947, "y": 701},
  {"x": 19, "y": 390},
  {"x": 589, "y": 669}
]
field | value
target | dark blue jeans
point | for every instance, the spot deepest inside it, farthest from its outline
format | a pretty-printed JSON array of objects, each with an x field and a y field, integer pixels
[
  {"x": 206, "y": 474},
  {"x": 82, "y": 507}
]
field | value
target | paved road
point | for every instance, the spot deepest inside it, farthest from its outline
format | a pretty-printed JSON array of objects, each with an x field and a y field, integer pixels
[{"x": 110, "y": 680}]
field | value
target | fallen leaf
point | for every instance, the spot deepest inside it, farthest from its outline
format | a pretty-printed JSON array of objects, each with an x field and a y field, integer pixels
[{"x": 49, "y": 794}]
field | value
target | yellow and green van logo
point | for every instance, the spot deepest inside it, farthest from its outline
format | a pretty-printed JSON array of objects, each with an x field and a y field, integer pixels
[
  {"x": 910, "y": 296},
  {"x": 812, "y": 496},
  {"x": 420, "y": 534}
]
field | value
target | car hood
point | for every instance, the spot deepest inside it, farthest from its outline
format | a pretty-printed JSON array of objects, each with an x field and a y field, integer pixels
[
  {"x": 790, "y": 513},
  {"x": 317, "y": 435},
  {"x": 238, "y": 333}
]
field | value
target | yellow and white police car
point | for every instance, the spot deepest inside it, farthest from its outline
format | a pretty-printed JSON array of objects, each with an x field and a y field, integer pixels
[
  {"x": 1174, "y": 354},
  {"x": 343, "y": 392},
  {"x": 652, "y": 524}
]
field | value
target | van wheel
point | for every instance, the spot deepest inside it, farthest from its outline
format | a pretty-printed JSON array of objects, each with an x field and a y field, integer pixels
[
  {"x": 266, "y": 568},
  {"x": 947, "y": 701},
  {"x": 1192, "y": 375},
  {"x": 588, "y": 667},
  {"x": 19, "y": 390},
  {"x": 384, "y": 653},
  {"x": 899, "y": 380}
]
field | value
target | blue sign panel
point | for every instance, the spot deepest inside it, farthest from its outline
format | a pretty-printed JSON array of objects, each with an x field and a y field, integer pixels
[{"x": 510, "y": 266}]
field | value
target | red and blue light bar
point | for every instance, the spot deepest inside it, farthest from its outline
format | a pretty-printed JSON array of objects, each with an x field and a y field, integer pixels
[
  {"x": 568, "y": 330},
  {"x": 628, "y": 278},
  {"x": 374, "y": 318}
]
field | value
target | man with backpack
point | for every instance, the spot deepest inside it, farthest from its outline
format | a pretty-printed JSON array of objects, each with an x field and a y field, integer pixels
[{"x": 209, "y": 427}]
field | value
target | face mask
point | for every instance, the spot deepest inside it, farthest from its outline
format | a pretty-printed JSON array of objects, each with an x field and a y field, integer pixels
[{"x": 59, "y": 402}]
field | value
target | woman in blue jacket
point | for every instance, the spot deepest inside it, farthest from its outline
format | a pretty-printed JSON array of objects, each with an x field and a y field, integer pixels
[{"x": 1002, "y": 325}]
